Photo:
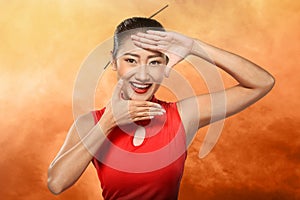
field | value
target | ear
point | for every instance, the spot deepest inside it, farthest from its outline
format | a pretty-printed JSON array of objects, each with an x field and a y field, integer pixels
[
  {"x": 114, "y": 65},
  {"x": 113, "y": 62}
]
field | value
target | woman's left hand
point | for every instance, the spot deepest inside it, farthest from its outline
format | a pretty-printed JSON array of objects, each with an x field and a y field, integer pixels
[{"x": 174, "y": 45}]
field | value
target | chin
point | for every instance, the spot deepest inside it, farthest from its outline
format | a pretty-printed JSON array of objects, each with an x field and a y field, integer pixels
[{"x": 141, "y": 97}]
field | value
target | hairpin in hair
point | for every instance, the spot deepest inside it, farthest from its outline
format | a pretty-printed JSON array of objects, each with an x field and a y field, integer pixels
[{"x": 158, "y": 11}]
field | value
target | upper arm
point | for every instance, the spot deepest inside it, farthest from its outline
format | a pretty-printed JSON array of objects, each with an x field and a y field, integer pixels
[
  {"x": 81, "y": 126},
  {"x": 216, "y": 106},
  {"x": 73, "y": 158}
]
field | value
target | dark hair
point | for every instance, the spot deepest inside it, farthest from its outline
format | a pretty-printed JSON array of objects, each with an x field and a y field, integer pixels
[{"x": 141, "y": 24}]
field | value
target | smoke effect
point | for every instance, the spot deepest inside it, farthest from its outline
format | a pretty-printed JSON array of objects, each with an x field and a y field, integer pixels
[{"x": 43, "y": 45}]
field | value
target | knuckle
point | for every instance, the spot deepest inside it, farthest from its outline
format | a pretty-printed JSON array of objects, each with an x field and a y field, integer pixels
[
  {"x": 131, "y": 114},
  {"x": 145, "y": 114}
]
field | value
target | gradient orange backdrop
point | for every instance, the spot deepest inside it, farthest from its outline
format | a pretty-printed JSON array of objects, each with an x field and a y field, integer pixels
[{"x": 43, "y": 44}]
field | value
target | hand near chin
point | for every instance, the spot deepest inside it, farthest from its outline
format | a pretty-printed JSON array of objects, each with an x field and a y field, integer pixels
[
  {"x": 174, "y": 45},
  {"x": 128, "y": 111}
]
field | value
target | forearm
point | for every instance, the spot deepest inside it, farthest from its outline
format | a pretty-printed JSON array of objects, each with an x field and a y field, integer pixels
[
  {"x": 248, "y": 74},
  {"x": 66, "y": 169}
]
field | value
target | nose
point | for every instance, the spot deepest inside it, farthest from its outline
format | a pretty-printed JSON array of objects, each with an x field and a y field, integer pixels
[{"x": 142, "y": 74}]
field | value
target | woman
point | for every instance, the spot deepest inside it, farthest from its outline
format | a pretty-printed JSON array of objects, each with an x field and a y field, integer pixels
[{"x": 138, "y": 143}]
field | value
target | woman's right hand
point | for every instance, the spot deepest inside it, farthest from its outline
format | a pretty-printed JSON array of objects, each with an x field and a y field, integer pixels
[{"x": 122, "y": 112}]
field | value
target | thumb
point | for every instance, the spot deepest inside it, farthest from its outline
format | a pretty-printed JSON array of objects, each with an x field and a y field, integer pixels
[{"x": 118, "y": 90}]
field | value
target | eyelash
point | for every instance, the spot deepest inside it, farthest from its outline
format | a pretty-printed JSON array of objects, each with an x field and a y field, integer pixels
[
  {"x": 156, "y": 62},
  {"x": 133, "y": 61},
  {"x": 130, "y": 60}
]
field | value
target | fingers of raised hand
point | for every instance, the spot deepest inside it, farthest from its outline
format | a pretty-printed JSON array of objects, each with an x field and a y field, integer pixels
[
  {"x": 149, "y": 41},
  {"x": 150, "y": 36},
  {"x": 145, "y": 110},
  {"x": 146, "y": 46},
  {"x": 158, "y": 33},
  {"x": 144, "y": 104},
  {"x": 136, "y": 116},
  {"x": 143, "y": 39}
]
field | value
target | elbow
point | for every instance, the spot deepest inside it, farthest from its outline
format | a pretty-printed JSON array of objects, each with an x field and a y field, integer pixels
[
  {"x": 53, "y": 187},
  {"x": 53, "y": 184},
  {"x": 270, "y": 83},
  {"x": 267, "y": 85},
  {"x": 264, "y": 87}
]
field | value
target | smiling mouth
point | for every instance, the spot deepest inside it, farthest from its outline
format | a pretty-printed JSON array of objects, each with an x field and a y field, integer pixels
[{"x": 140, "y": 88}]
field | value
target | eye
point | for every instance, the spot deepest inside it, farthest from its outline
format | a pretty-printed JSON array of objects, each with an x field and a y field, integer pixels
[
  {"x": 130, "y": 60},
  {"x": 155, "y": 62}
]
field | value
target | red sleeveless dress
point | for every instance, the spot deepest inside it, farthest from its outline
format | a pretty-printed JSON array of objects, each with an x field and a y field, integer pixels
[{"x": 152, "y": 170}]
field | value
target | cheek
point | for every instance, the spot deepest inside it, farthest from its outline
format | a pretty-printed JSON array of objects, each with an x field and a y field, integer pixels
[
  {"x": 120, "y": 72},
  {"x": 157, "y": 74},
  {"x": 122, "y": 69}
]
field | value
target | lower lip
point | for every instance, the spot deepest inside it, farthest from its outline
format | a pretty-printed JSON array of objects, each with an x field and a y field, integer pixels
[{"x": 140, "y": 90}]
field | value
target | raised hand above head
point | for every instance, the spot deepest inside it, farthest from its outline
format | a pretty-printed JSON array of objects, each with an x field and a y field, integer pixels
[{"x": 174, "y": 45}]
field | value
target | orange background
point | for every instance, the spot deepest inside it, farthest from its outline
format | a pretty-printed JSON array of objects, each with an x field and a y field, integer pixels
[{"x": 43, "y": 44}]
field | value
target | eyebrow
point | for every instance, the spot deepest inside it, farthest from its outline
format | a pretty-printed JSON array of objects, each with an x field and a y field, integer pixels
[
  {"x": 150, "y": 56},
  {"x": 131, "y": 54}
]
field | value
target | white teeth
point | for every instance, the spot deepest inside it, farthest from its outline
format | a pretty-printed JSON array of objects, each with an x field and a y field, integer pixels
[{"x": 140, "y": 86}]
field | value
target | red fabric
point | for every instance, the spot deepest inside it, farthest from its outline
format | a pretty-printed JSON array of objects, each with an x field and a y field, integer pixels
[{"x": 143, "y": 176}]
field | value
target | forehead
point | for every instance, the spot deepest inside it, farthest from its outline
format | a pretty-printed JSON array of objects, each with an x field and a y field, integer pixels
[{"x": 127, "y": 47}]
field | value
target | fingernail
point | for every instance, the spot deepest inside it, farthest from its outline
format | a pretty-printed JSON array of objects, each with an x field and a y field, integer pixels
[
  {"x": 151, "y": 117},
  {"x": 163, "y": 110},
  {"x": 158, "y": 106}
]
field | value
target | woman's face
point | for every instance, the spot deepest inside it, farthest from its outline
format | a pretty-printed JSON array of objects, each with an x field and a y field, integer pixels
[{"x": 142, "y": 70}]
